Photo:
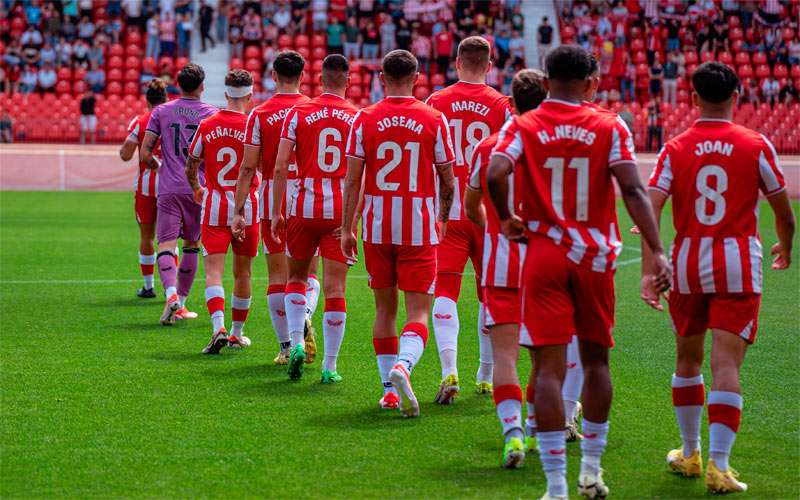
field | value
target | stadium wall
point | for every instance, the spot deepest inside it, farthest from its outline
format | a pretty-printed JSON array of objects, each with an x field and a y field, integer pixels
[{"x": 66, "y": 167}]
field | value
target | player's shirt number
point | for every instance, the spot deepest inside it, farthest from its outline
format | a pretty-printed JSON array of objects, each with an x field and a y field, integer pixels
[
  {"x": 394, "y": 153},
  {"x": 475, "y": 133},
  {"x": 581, "y": 167},
  {"x": 710, "y": 195},
  {"x": 228, "y": 156},
  {"x": 324, "y": 149},
  {"x": 176, "y": 138}
]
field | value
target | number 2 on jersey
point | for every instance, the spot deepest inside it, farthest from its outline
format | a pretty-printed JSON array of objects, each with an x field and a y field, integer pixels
[
  {"x": 391, "y": 148},
  {"x": 230, "y": 153},
  {"x": 581, "y": 166}
]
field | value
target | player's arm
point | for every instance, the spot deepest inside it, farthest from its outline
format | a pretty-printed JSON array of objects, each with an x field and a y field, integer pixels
[
  {"x": 146, "y": 155},
  {"x": 127, "y": 149},
  {"x": 244, "y": 182},
  {"x": 641, "y": 211},
  {"x": 500, "y": 168},
  {"x": 193, "y": 166},
  {"x": 784, "y": 227},
  {"x": 350, "y": 200},
  {"x": 648, "y": 293},
  {"x": 447, "y": 186},
  {"x": 279, "y": 176},
  {"x": 473, "y": 206}
]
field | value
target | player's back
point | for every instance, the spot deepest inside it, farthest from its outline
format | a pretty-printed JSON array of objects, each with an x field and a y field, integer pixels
[
  {"x": 400, "y": 139},
  {"x": 569, "y": 195},
  {"x": 175, "y": 122},
  {"x": 319, "y": 130},
  {"x": 714, "y": 172},
  {"x": 264, "y": 127},
  {"x": 473, "y": 112}
]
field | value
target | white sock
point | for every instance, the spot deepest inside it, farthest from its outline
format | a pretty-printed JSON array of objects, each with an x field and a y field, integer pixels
[
  {"x": 239, "y": 309},
  {"x": 215, "y": 301},
  {"x": 333, "y": 327},
  {"x": 573, "y": 380},
  {"x": 530, "y": 420},
  {"x": 412, "y": 344},
  {"x": 486, "y": 368},
  {"x": 277, "y": 313},
  {"x": 593, "y": 445},
  {"x": 385, "y": 364},
  {"x": 312, "y": 295},
  {"x": 171, "y": 291},
  {"x": 182, "y": 300},
  {"x": 553, "y": 454},
  {"x": 149, "y": 281},
  {"x": 218, "y": 320},
  {"x": 445, "y": 329},
  {"x": 688, "y": 400},
  {"x": 509, "y": 412},
  {"x": 295, "y": 306},
  {"x": 724, "y": 411}
]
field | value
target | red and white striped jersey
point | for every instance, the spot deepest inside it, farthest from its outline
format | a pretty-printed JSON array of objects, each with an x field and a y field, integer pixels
[
  {"x": 473, "y": 111},
  {"x": 219, "y": 142},
  {"x": 502, "y": 259},
  {"x": 147, "y": 180},
  {"x": 401, "y": 140},
  {"x": 563, "y": 152},
  {"x": 319, "y": 130},
  {"x": 714, "y": 171},
  {"x": 264, "y": 130}
]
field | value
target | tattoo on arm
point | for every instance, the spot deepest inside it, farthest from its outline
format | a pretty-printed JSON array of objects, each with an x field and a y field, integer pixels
[
  {"x": 192, "y": 166},
  {"x": 446, "y": 190}
]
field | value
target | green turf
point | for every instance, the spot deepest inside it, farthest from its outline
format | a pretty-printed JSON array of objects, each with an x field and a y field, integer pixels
[{"x": 98, "y": 400}]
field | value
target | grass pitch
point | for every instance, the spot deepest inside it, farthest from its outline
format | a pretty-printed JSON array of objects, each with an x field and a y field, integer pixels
[{"x": 98, "y": 400}]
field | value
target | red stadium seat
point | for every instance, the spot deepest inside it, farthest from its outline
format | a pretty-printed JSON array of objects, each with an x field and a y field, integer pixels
[
  {"x": 737, "y": 45},
  {"x": 725, "y": 58},
  {"x": 116, "y": 50},
  {"x": 114, "y": 88},
  {"x": 795, "y": 71},
  {"x": 742, "y": 58},
  {"x": 437, "y": 80},
  {"x": 356, "y": 79},
  {"x": 691, "y": 57},
  {"x": 318, "y": 53},
  {"x": 736, "y": 34},
  {"x": 316, "y": 66},
  {"x": 166, "y": 63},
  {"x": 132, "y": 75},
  {"x": 780, "y": 71},
  {"x": 637, "y": 45},
  {"x": 78, "y": 87},
  {"x": 133, "y": 37},
  {"x": 318, "y": 40},
  {"x": 63, "y": 87},
  {"x": 301, "y": 41},
  {"x": 745, "y": 71},
  {"x": 133, "y": 50},
  {"x": 423, "y": 80},
  {"x": 305, "y": 89},
  {"x": 759, "y": 58},
  {"x": 236, "y": 63},
  {"x": 284, "y": 41},
  {"x": 355, "y": 92},
  {"x": 132, "y": 62},
  {"x": 253, "y": 65},
  {"x": 642, "y": 69},
  {"x": 788, "y": 34},
  {"x": 149, "y": 65},
  {"x": 252, "y": 52},
  {"x": 115, "y": 75},
  {"x": 707, "y": 56},
  {"x": 131, "y": 88},
  {"x": 64, "y": 74},
  {"x": 421, "y": 92},
  {"x": 115, "y": 62},
  {"x": 762, "y": 71},
  {"x": 303, "y": 51},
  {"x": 181, "y": 62}
]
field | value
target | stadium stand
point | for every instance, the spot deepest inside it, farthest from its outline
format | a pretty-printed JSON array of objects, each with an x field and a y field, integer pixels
[{"x": 648, "y": 49}]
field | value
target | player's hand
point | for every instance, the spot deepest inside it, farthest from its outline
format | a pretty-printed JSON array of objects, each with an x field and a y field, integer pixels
[
  {"x": 238, "y": 227},
  {"x": 662, "y": 273},
  {"x": 783, "y": 258},
  {"x": 635, "y": 230},
  {"x": 278, "y": 227},
  {"x": 347, "y": 240},
  {"x": 441, "y": 226},
  {"x": 649, "y": 294},
  {"x": 513, "y": 228},
  {"x": 198, "y": 195}
]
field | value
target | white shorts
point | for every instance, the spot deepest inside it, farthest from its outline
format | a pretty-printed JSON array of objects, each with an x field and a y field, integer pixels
[{"x": 88, "y": 123}]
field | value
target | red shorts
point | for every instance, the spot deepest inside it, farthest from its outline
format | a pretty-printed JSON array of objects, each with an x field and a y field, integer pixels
[
  {"x": 307, "y": 238},
  {"x": 696, "y": 313},
  {"x": 463, "y": 241},
  {"x": 502, "y": 305},
  {"x": 561, "y": 299},
  {"x": 271, "y": 246},
  {"x": 145, "y": 208},
  {"x": 411, "y": 269},
  {"x": 217, "y": 239}
]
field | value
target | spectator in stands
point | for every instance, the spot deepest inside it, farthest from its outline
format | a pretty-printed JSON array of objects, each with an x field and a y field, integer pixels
[
  {"x": 86, "y": 30},
  {"x": 794, "y": 51},
  {"x": 13, "y": 53},
  {"x": 268, "y": 83},
  {"x": 371, "y": 37},
  {"x": 85, "y": 8},
  {"x": 206, "y": 18},
  {"x": 421, "y": 48},
  {"x": 670, "y": 85},
  {"x": 48, "y": 54},
  {"x": 319, "y": 14},
  {"x": 627, "y": 116},
  {"x": 166, "y": 34},
  {"x": 133, "y": 13},
  {"x": 223, "y": 10},
  {"x": 96, "y": 79},
  {"x": 282, "y": 18},
  {"x": 335, "y": 36},
  {"x": 352, "y": 39},
  {"x": 153, "y": 32},
  {"x": 388, "y": 32},
  {"x": 751, "y": 92},
  {"x": 789, "y": 93},
  {"x": 28, "y": 80},
  {"x": 252, "y": 30},
  {"x": 235, "y": 38},
  {"x": 64, "y": 52},
  {"x": 770, "y": 89},
  {"x": 184, "y": 28},
  {"x": 501, "y": 51},
  {"x": 96, "y": 55},
  {"x": 88, "y": 119},
  {"x": 47, "y": 79},
  {"x": 31, "y": 41},
  {"x": 443, "y": 49},
  {"x": 51, "y": 23},
  {"x": 516, "y": 49},
  {"x": 6, "y": 128},
  {"x": 181, "y": 6},
  {"x": 655, "y": 126},
  {"x": 673, "y": 31},
  {"x": 13, "y": 74},
  {"x": 656, "y": 76},
  {"x": 403, "y": 34},
  {"x": 80, "y": 54}
]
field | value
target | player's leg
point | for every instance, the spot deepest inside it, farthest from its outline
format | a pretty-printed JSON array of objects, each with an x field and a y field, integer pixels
[
  {"x": 733, "y": 320},
  {"x": 689, "y": 314},
  {"x": 190, "y": 233},
  {"x": 145, "y": 208},
  {"x": 275, "y": 255},
  {"x": 451, "y": 255},
  {"x": 335, "y": 318},
  {"x": 483, "y": 379},
  {"x": 214, "y": 265},
  {"x": 549, "y": 363},
  {"x": 295, "y": 307},
  {"x": 312, "y": 300},
  {"x": 167, "y": 232},
  {"x": 243, "y": 254},
  {"x": 571, "y": 391}
]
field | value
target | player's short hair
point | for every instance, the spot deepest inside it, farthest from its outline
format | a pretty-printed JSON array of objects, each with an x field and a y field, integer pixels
[
  {"x": 335, "y": 69},
  {"x": 399, "y": 66},
  {"x": 594, "y": 68},
  {"x": 238, "y": 78},
  {"x": 714, "y": 82},
  {"x": 568, "y": 63},
  {"x": 528, "y": 90},
  {"x": 474, "y": 53},
  {"x": 289, "y": 66},
  {"x": 190, "y": 77},
  {"x": 156, "y": 92}
]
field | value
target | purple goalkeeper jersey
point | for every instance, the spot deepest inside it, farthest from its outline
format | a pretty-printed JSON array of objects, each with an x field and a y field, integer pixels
[{"x": 175, "y": 122}]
